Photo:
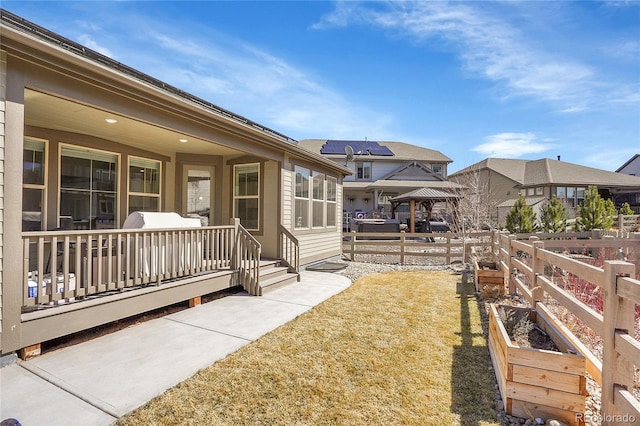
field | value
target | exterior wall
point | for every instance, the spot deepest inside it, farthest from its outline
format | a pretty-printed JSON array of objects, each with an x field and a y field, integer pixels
[
  {"x": 3, "y": 97},
  {"x": 633, "y": 168},
  {"x": 286, "y": 219}
]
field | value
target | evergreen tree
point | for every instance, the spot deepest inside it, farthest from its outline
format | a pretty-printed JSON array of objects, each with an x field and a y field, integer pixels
[
  {"x": 595, "y": 212},
  {"x": 553, "y": 217},
  {"x": 521, "y": 218},
  {"x": 626, "y": 209}
]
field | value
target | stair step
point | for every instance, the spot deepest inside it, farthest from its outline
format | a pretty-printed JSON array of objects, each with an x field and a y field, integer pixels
[
  {"x": 274, "y": 282},
  {"x": 272, "y": 271}
]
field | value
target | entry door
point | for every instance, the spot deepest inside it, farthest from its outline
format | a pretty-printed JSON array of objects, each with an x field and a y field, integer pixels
[{"x": 197, "y": 191}]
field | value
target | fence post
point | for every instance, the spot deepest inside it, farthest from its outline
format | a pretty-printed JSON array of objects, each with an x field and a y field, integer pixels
[
  {"x": 402, "y": 241},
  {"x": 353, "y": 245},
  {"x": 537, "y": 268},
  {"x": 620, "y": 223},
  {"x": 618, "y": 314},
  {"x": 512, "y": 254}
]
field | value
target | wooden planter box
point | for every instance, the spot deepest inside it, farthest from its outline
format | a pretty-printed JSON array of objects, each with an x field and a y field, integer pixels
[
  {"x": 489, "y": 279},
  {"x": 534, "y": 382}
]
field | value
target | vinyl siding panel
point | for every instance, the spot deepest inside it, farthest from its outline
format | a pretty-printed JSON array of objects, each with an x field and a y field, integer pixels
[
  {"x": 287, "y": 198},
  {"x": 319, "y": 245},
  {"x": 3, "y": 96}
]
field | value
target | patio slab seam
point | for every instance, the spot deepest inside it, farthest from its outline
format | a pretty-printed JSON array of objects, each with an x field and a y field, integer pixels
[{"x": 61, "y": 384}]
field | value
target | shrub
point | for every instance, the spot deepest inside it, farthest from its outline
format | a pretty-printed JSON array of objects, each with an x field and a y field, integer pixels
[
  {"x": 521, "y": 218},
  {"x": 595, "y": 212},
  {"x": 553, "y": 217}
]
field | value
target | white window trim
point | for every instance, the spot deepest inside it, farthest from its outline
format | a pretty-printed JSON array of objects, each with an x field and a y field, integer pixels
[
  {"x": 322, "y": 200},
  {"x": 117, "y": 191},
  {"x": 144, "y": 194},
  {"x": 362, "y": 163},
  {"x": 334, "y": 201},
  {"x": 43, "y": 187},
  {"x": 307, "y": 199},
  {"x": 246, "y": 197}
]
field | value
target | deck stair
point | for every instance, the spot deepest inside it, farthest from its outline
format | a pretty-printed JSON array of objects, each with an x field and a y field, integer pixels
[{"x": 274, "y": 275}]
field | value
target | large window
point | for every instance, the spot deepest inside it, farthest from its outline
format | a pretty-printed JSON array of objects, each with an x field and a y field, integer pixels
[
  {"x": 570, "y": 195},
  {"x": 144, "y": 185},
  {"x": 302, "y": 198},
  {"x": 315, "y": 199},
  {"x": 88, "y": 187},
  {"x": 246, "y": 195},
  {"x": 363, "y": 171},
  {"x": 318, "y": 200},
  {"x": 332, "y": 185},
  {"x": 33, "y": 184}
]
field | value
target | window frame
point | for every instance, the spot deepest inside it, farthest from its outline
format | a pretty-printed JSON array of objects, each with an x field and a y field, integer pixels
[
  {"x": 143, "y": 194},
  {"x": 116, "y": 192},
  {"x": 362, "y": 164},
  {"x": 302, "y": 199},
  {"x": 329, "y": 201},
  {"x": 247, "y": 197},
  {"x": 321, "y": 200},
  {"x": 42, "y": 187}
]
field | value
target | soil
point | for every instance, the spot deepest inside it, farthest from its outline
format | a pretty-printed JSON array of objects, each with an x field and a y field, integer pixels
[
  {"x": 523, "y": 331},
  {"x": 102, "y": 330}
]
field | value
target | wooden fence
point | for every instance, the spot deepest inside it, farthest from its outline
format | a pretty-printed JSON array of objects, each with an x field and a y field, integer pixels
[
  {"x": 403, "y": 245},
  {"x": 539, "y": 268}
]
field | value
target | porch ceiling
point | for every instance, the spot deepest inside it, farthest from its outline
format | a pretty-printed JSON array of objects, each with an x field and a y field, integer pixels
[{"x": 43, "y": 110}]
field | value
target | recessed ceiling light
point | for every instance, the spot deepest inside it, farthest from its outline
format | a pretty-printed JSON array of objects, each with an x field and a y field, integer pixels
[
  {"x": 183, "y": 140},
  {"x": 111, "y": 120}
]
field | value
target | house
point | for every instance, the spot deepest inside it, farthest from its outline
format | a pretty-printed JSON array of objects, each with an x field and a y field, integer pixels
[
  {"x": 539, "y": 180},
  {"x": 87, "y": 142},
  {"x": 381, "y": 171},
  {"x": 631, "y": 167}
]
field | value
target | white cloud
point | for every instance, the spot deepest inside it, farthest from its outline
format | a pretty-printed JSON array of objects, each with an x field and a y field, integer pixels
[
  {"x": 511, "y": 145},
  {"x": 254, "y": 83},
  {"x": 518, "y": 61}
]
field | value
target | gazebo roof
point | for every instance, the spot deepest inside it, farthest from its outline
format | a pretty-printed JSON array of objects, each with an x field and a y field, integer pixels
[{"x": 425, "y": 194}]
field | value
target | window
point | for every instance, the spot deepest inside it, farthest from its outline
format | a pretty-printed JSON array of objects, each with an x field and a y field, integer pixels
[
  {"x": 437, "y": 168},
  {"x": 33, "y": 184},
  {"x": 529, "y": 191},
  {"x": 246, "y": 195},
  {"x": 580, "y": 194},
  {"x": 539, "y": 190},
  {"x": 363, "y": 171},
  {"x": 571, "y": 196},
  {"x": 561, "y": 193},
  {"x": 332, "y": 190},
  {"x": 318, "y": 200},
  {"x": 144, "y": 185},
  {"x": 302, "y": 198},
  {"x": 88, "y": 187}
]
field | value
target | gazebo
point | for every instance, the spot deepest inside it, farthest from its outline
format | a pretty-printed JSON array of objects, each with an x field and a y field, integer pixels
[{"x": 423, "y": 196}]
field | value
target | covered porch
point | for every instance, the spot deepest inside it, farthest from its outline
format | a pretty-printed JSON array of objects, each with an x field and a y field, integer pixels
[{"x": 424, "y": 198}]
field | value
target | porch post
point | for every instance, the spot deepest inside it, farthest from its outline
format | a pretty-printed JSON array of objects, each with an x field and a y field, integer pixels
[
  {"x": 12, "y": 98},
  {"x": 235, "y": 254},
  {"x": 412, "y": 215}
]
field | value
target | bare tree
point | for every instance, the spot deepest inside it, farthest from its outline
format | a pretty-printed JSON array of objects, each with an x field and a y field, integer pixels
[{"x": 475, "y": 208}]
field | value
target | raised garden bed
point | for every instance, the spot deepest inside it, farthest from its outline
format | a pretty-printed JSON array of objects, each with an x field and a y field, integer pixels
[
  {"x": 549, "y": 384},
  {"x": 488, "y": 279}
]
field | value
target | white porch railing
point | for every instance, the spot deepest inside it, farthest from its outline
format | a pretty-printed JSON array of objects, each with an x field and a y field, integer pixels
[{"x": 66, "y": 265}]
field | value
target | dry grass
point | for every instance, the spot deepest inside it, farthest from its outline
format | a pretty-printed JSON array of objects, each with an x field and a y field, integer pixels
[{"x": 395, "y": 348}]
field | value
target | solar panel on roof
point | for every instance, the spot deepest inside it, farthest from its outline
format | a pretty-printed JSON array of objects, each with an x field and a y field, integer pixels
[{"x": 336, "y": 147}]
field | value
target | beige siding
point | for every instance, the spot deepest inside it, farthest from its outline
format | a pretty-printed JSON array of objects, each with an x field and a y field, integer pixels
[
  {"x": 287, "y": 198},
  {"x": 3, "y": 97},
  {"x": 320, "y": 245}
]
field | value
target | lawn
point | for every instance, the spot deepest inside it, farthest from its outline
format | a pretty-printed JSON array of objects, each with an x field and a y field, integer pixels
[{"x": 394, "y": 348}]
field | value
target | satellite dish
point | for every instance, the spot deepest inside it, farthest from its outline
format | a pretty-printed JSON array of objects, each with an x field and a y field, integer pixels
[{"x": 348, "y": 150}]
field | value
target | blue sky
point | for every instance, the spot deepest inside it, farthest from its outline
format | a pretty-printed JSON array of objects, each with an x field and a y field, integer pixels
[{"x": 470, "y": 79}]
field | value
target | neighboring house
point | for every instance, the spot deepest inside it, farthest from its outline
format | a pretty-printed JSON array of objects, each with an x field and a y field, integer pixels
[
  {"x": 86, "y": 141},
  {"x": 538, "y": 180},
  {"x": 382, "y": 171},
  {"x": 631, "y": 167}
]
